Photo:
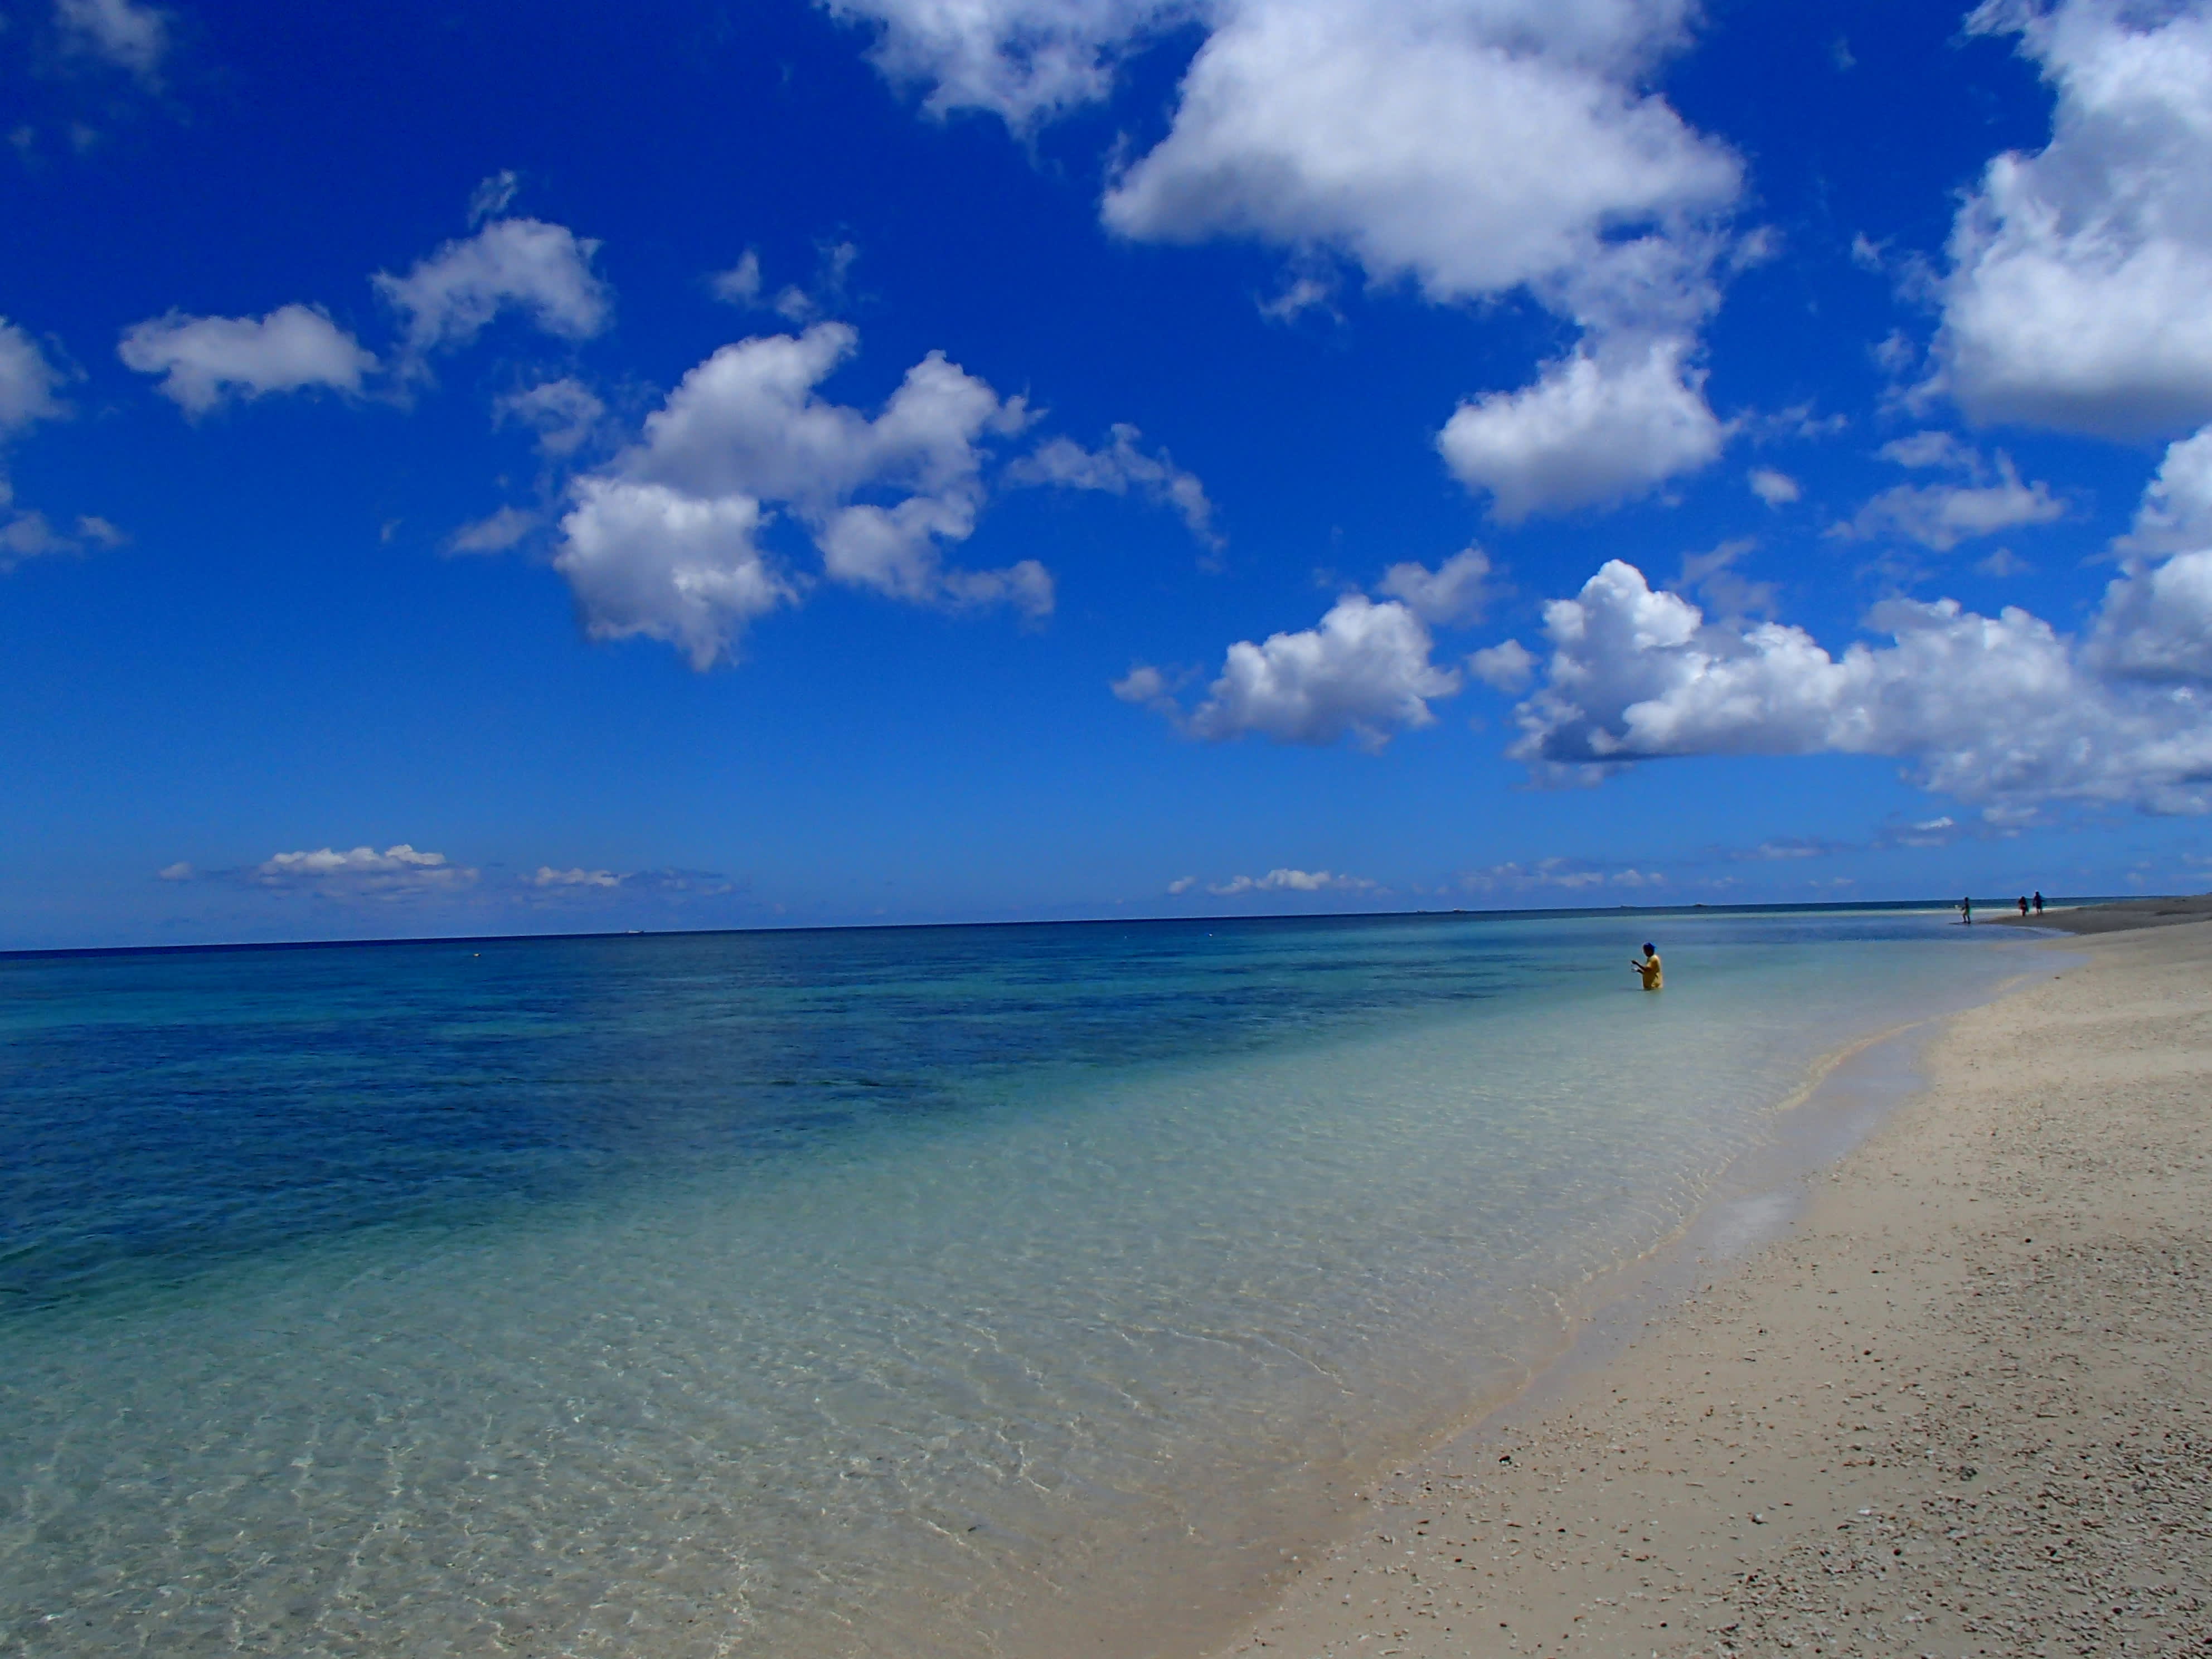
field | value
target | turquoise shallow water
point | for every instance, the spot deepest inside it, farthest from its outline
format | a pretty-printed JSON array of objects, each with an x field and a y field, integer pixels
[{"x": 917, "y": 1291}]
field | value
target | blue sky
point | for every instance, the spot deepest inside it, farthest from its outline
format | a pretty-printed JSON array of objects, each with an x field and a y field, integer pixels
[{"x": 514, "y": 468}]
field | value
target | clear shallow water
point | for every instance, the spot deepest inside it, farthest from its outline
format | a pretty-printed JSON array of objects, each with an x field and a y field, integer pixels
[{"x": 912, "y": 1292}]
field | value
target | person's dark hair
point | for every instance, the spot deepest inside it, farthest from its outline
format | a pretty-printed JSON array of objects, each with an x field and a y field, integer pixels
[{"x": 1648, "y": 951}]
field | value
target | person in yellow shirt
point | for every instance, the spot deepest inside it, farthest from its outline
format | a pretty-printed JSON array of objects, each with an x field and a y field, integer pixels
[{"x": 1654, "y": 977}]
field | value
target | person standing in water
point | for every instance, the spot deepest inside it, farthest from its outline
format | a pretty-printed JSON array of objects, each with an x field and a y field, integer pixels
[
  {"x": 2039, "y": 901},
  {"x": 2023, "y": 909},
  {"x": 1654, "y": 977}
]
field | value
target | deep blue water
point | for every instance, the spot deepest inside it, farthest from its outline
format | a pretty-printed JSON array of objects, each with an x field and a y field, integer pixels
[{"x": 161, "y": 1109}]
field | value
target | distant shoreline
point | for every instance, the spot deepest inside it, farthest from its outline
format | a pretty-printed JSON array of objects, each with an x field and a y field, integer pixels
[{"x": 2114, "y": 915}]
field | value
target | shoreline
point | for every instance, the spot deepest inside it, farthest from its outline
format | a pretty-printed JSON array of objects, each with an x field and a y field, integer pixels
[
  {"x": 1612, "y": 1508},
  {"x": 2115, "y": 916}
]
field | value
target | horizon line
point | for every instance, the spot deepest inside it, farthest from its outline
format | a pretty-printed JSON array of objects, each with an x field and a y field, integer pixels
[{"x": 218, "y": 945}]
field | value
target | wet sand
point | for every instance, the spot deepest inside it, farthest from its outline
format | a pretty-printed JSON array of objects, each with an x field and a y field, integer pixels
[{"x": 1962, "y": 1407}]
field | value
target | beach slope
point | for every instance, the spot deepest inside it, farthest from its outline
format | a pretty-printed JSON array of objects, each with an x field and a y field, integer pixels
[{"x": 1964, "y": 1407}]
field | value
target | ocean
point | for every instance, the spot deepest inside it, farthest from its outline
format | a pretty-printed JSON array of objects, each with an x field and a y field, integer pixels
[{"x": 1028, "y": 1290}]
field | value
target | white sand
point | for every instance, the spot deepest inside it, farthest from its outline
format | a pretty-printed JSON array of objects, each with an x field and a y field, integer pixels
[{"x": 1963, "y": 1408}]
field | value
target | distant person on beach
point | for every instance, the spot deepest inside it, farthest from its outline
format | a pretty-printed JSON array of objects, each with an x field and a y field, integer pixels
[
  {"x": 2023, "y": 909},
  {"x": 2039, "y": 902},
  {"x": 1654, "y": 977},
  {"x": 1966, "y": 910}
]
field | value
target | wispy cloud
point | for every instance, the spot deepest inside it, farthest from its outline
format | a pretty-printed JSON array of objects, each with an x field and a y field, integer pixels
[
  {"x": 741, "y": 285},
  {"x": 397, "y": 872},
  {"x": 1288, "y": 881},
  {"x": 1986, "y": 497},
  {"x": 494, "y": 533},
  {"x": 1563, "y": 874},
  {"x": 546, "y": 876},
  {"x": 1783, "y": 850},
  {"x": 1120, "y": 467},
  {"x": 402, "y": 870},
  {"x": 27, "y": 533},
  {"x": 30, "y": 381},
  {"x": 577, "y": 881},
  {"x": 132, "y": 37},
  {"x": 564, "y": 413}
]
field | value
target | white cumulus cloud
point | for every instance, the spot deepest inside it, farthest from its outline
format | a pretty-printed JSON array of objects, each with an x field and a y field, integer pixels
[
  {"x": 1507, "y": 666},
  {"x": 2176, "y": 505},
  {"x": 1471, "y": 148},
  {"x": 28, "y": 381},
  {"x": 1455, "y": 592},
  {"x": 2156, "y": 624},
  {"x": 1774, "y": 489},
  {"x": 1024, "y": 59},
  {"x": 542, "y": 270},
  {"x": 202, "y": 360},
  {"x": 1147, "y": 687},
  {"x": 2001, "y": 711},
  {"x": 1474, "y": 148},
  {"x": 1594, "y": 428},
  {"x": 2076, "y": 297},
  {"x": 663, "y": 542},
  {"x": 1365, "y": 671},
  {"x": 645, "y": 559}
]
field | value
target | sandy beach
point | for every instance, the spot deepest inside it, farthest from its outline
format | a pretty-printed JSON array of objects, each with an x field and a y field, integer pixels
[{"x": 1962, "y": 1407}]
